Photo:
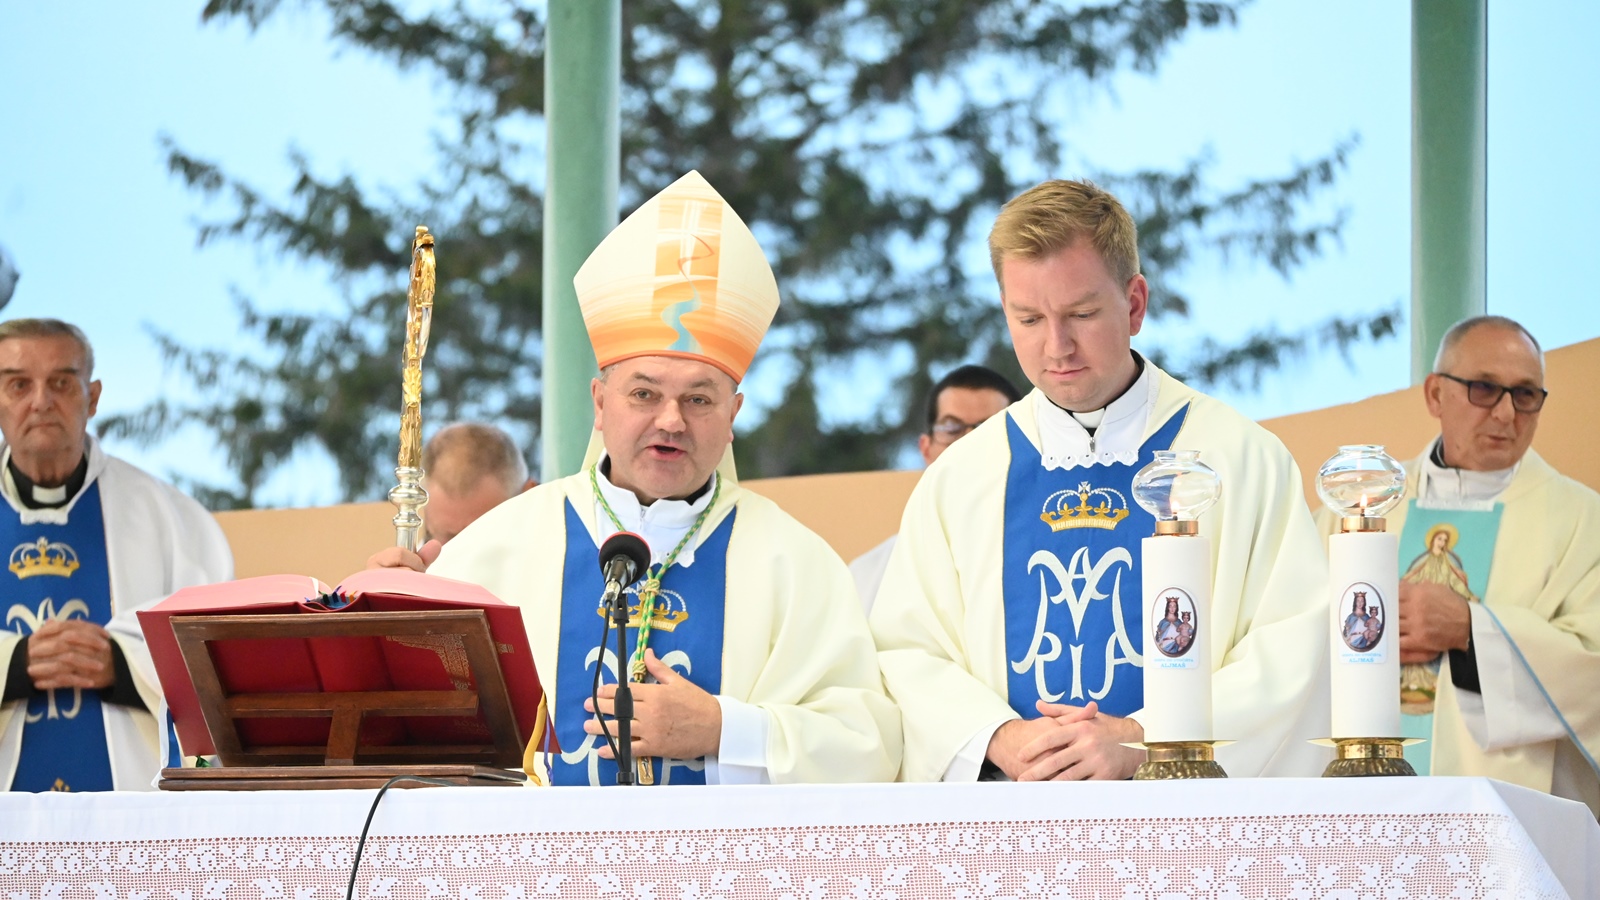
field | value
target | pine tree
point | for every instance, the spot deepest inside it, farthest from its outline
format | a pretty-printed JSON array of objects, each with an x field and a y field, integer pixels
[{"x": 868, "y": 143}]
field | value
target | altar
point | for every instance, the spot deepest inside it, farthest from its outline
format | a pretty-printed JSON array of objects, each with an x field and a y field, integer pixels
[{"x": 1196, "y": 840}]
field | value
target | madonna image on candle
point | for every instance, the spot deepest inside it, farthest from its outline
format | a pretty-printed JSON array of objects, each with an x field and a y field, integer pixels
[
  {"x": 1175, "y": 626},
  {"x": 1363, "y": 625}
]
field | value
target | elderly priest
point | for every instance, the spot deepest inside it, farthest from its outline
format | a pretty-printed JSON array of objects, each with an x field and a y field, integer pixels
[
  {"x": 1500, "y": 586},
  {"x": 91, "y": 538},
  {"x": 758, "y": 665},
  {"x": 1011, "y": 637}
]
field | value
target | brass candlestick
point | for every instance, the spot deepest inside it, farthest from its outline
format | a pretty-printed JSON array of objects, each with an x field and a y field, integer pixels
[
  {"x": 1167, "y": 760},
  {"x": 409, "y": 496},
  {"x": 1366, "y": 757},
  {"x": 1177, "y": 488},
  {"x": 1361, "y": 483}
]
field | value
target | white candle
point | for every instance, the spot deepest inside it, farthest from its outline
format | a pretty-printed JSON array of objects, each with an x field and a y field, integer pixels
[
  {"x": 1177, "y": 639},
  {"x": 1365, "y": 639}
]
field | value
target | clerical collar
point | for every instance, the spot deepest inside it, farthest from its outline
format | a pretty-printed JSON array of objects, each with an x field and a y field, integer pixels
[
  {"x": 1109, "y": 435},
  {"x": 694, "y": 497},
  {"x": 35, "y": 496},
  {"x": 1440, "y": 486},
  {"x": 662, "y": 523},
  {"x": 1091, "y": 420}
]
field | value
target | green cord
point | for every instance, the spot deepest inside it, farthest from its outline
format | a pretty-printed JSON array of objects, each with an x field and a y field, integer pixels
[{"x": 651, "y": 588}]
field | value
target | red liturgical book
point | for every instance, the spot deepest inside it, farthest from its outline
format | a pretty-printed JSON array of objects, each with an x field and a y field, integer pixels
[{"x": 340, "y": 664}]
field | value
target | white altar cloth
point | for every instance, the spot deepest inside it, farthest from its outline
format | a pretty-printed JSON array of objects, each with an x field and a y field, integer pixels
[{"x": 1195, "y": 840}]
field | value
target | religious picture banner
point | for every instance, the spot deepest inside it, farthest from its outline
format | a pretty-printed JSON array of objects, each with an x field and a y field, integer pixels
[{"x": 1455, "y": 548}]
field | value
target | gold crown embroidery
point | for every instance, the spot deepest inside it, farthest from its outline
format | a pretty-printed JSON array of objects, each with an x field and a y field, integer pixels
[
  {"x": 43, "y": 557},
  {"x": 1096, "y": 508},
  {"x": 670, "y": 611}
]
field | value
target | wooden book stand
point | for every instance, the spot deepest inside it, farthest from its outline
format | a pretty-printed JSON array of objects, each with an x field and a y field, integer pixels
[{"x": 349, "y": 759}]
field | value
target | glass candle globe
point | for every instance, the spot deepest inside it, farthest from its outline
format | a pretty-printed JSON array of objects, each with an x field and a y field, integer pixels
[
  {"x": 1176, "y": 486},
  {"x": 1361, "y": 480}
]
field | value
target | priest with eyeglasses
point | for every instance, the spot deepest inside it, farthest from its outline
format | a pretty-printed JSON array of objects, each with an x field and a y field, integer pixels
[{"x": 1500, "y": 588}]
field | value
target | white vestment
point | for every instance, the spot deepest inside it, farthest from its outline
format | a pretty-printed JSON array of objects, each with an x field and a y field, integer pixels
[
  {"x": 797, "y": 659},
  {"x": 867, "y": 571},
  {"x": 158, "y": 540},
  {"x": 939, "y": 618},
  {"x": 1536, "y": 636}
]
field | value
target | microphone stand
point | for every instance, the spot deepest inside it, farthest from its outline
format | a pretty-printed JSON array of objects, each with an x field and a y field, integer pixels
[{"x": 623, "y": 701}]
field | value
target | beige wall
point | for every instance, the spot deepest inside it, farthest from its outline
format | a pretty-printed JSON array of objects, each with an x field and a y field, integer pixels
[
  {"x": 855, "y": 511},
  {"x": 1567, "y": 437},
  {"x": 326, "y": 542}
]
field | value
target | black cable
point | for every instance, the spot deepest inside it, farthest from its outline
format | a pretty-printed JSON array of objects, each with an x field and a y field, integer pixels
[
  {"x": 622, "y": 702},
  {"x": 350, "y": 890},
  {"x": 599, "y": 665}
]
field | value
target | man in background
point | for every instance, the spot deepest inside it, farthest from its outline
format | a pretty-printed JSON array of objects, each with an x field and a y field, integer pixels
[
  {"x": 1533, "y": 717},
  {"x": 469, "y": 468},
  {"x": 958, "y": 403},
  {"x": 90, "y": 540}
]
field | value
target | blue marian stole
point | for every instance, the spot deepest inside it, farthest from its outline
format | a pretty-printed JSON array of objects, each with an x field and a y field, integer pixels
[
  {"x": 59, "y": 572},
  {"x": 686, "y": 635},
  {"x": 1072, "y": 542},
  {"x": 1463, "y": 565}
]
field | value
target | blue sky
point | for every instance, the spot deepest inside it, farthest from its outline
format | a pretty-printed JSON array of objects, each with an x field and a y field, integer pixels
[{"x": 104, "y": 237}]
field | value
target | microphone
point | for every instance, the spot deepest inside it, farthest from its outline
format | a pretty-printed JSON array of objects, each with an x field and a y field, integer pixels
[{"x": 623, "y": 558}]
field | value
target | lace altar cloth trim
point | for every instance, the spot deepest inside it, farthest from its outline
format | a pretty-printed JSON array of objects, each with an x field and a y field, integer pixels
[{"x": 1349, "y": 857}]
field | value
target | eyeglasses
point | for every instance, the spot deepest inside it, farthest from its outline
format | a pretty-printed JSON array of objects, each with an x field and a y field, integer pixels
[
  {"x": 946, "y": 431},
  {"x": 1487, "y": 394}
]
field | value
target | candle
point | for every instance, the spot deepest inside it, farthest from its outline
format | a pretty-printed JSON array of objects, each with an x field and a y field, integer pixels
[
  {"x": 1361, "y": 482},
  {"x": 1364, "y": 643},
  {"x": 1177, "y": 488},
  {"x": 1177, "y": 639}
]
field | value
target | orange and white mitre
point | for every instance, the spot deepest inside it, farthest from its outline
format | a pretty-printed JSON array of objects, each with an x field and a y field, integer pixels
[{"x": 684, "y": 277}]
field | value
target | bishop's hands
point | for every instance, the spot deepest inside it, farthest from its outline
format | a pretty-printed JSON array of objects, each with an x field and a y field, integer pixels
[
  {"x": 401, "y": 558},
  {"x": 1433, "y": 619},
  {"x": 1067, "y": 743},
  {"x": 70, "y": 653},
  {"x": 673, "y": 718}
]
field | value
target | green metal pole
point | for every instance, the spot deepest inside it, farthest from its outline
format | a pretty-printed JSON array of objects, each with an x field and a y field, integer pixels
[
  {"x": 1449, "y": 182},
  {"x": 583, "y": 68}
]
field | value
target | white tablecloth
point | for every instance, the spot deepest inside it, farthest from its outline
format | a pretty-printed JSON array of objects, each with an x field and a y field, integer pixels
[{"x": 1198, "y": 840}]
